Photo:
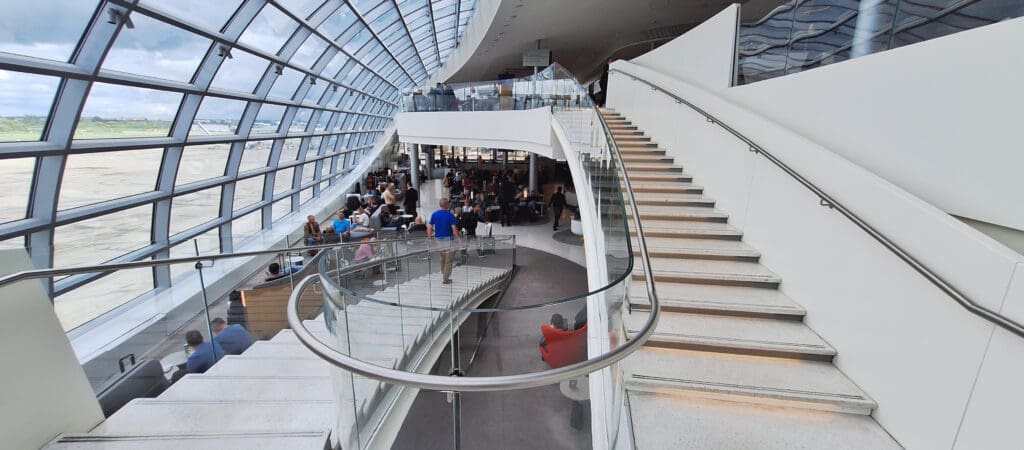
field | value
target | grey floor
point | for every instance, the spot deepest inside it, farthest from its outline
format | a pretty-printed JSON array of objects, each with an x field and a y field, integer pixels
[{"x": 524, "y": 419}]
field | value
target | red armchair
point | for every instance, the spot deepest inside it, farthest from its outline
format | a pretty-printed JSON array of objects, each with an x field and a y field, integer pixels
[{"x": 563, "y": 347}]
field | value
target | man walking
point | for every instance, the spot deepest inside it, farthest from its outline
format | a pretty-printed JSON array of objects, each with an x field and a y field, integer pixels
[
  {"x": 412, "y": 196},
  {"x": 506, "y": 195},
  {"x": 557, "y": 204},
  {"x": 443, "y": 227}
]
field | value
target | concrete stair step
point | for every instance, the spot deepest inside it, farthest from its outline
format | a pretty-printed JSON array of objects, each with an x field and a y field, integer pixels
[
  {"x": 297, "y": 440},
  {"x": 661, "y": 247},
  {"x": 635, "y": 144},
  {"x": 269, "y": 367},
  {"x": 632, "y": 158},
  {"x": 249, "y": 388},
  {"x": 620, "y": 126},
  {"x": 739, "y": 335},
  {"x": 685, "y": 227},
  {"x": 763, "y": 380},
  {"x": 620, "y": 132},
  {"x": 664, "y": 167},
  {"x": 678, "y": 213},
  {"x": 671, "y": 421},
  {"x": 271, "y": 349},
  {"x": 722, "y": 300},
  {"x": 729, "y": 273},
  {"x": 660, "y": 187},
  {"x": 658, "y": 177},
  {"x": 155, "y": 416},
  {"x": 672, "y": 200},
  {"x": 643, "y": 151}
]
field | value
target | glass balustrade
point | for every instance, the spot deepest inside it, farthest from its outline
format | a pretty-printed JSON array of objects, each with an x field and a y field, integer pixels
[
  {"x": 397, "y": 313},
  {"x": 805, "y": 34}
]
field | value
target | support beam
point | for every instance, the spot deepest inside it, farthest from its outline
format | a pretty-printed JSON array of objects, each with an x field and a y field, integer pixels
[
  {"x": 414, "y": 164},
  {"x": 533, "y": 173}
]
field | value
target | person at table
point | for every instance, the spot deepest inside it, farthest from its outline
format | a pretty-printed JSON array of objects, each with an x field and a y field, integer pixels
[
  {"x": 342, "y": 226},
  {"x": 371, "y": 205},
  {"x": 467, "y": 204},
  {"x": 311, "y": 231},
  {"x": 417, "y": 224},
  {"x": 557, "y": 204},
  {"x": 201, "y": 355},
  {"x": 412, "y": 196},
  {"x": 443, "y": 227},
  {"x": 360, "y": 219},
  {"x": 232, "y": 338}
]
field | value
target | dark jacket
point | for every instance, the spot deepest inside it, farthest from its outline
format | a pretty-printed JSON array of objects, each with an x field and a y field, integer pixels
[
  {"x": 468, "y": 222},
  {"x": 558, "y": 200},
  {"x": 411, "y": 197},
  {"x": 506, "y": 191}
]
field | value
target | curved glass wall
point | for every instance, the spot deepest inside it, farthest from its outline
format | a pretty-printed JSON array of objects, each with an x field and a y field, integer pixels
[
  {"x": 804, "y": 34},
  {"x": 129, "y": 127}
]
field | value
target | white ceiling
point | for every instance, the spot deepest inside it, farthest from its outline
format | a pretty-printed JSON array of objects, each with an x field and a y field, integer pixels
[{"x": 583, "y": 34}]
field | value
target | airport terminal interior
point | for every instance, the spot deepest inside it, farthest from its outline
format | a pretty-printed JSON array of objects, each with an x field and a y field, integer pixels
[{"x": 511, "y": 224}]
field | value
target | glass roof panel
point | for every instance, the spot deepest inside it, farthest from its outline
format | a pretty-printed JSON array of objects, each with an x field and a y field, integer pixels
[
  {"x": 301, "y": 8},
  {"x": 268, "y": 119},
  {"x": 269, "y": 30},
  {"x": 255, "y": 156},
  {"x": 156, "y": 49},
  {"x": 309, "y": 52},
  {"x": 241, "y": 72},
  {"x": 25, "y": 102},
  {"x": 338, "y": 22},
  {"x": 94, "y": 177},
  {"x": 202, "y": 162},
  {"x": 286, "y": 83},
  {"x": 248, "y": 192},
  {"x": 17, "y": 183},
  {"x": 212, "y": 15},
  {"x": 108, "y": 115},
  {"x": 48, "y": 30},
  {"x": 217, "y": 116}
]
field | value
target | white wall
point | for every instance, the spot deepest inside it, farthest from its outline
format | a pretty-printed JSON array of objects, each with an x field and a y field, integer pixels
[
  {"x": 528, "y": 130},
  {"x": 940, "y": 119},
  {"x": 43, "y": 388},
  {"x": 911, "y": 347},
  {"x": 701, "y": 55}
]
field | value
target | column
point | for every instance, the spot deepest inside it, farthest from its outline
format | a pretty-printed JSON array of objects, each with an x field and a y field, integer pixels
[
  {"x": 430, "y": 161},
  {"x": 414, "y": 164},
  {"x": 533, "y": 172}
]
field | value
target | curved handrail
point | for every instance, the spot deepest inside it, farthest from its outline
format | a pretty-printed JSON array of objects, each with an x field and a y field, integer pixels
[
  {"x": 376, "y": 262},
  {"x": 506, "y": 382},
  {"x": 826, "y": 200}
]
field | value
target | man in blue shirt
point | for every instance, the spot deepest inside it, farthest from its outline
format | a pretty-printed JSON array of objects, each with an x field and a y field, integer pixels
[
  {"x": 342, "y": 226},
  {"x": 442, "y": 227},
  {"x": 233, "y": 339},
  {"x": 203, "y": 355}
]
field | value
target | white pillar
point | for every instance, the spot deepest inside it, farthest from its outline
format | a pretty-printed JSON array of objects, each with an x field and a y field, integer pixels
[
  {"x": 414, "y": 165},
  {"x": 533, "y": 172}
]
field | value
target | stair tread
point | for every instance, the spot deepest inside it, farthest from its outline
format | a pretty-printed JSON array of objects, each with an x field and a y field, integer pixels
[
  {"x": 312, "y": 440},
  {"x": 747, "y": 378},
  {"x": 711, "y": 268},
  {"x": 677, "y": 211},
  {"x": 650, "y": 199},
  {"x": 740, "y": 333},
  {"x": 728, "y": 298},
  {"x": 639, "y": 186},
  {"x": 667, "y": 421},
  {"x": 204, "y": 387},
  {"x": 278, "y": 366},
  {"x": 684, "y": 226},
  {"x": 216, "y": 416},
  {"x": 680, "y": 246}
]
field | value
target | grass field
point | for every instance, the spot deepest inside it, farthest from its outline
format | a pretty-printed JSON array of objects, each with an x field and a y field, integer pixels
[{"x": 31, "y": 128}]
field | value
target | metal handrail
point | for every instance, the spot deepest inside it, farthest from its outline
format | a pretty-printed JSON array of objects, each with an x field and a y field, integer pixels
[
  {"x": 494, "y": 383},
  {"x": 827, "y": 200},
  {"x": 113, "y": 267}
]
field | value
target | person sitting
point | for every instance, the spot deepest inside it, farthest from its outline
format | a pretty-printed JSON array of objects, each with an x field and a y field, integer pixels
[
  {"x": 311, "y": 231},
  {"x": 372, "y": 205},
  {"x": 232, "y": 338},
  {"x": 201, "y": 355},
  {"x": 467, "y": 204},
  {"x": 360, "y": 219},
  {"x": 342, "y": 225},
  {"x": 418, "y": 225},
  {"x": 557, "y": 321},
  {"x": 275, "y": 271}
]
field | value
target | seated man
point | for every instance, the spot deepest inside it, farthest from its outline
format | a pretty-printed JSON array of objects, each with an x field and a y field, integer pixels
[
  {"x": 418, "y": 224},
  {"x": 342, "y": 225},
  {"x": 232, "y": 338},
  {"x": 275, "y": 271},
  {"x": 360, "y": 219},
  {"x": 311, "y": 231},
  {"x": 201, "y": 355}
]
